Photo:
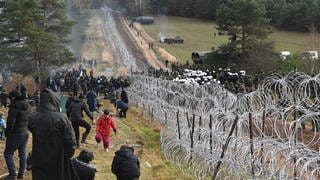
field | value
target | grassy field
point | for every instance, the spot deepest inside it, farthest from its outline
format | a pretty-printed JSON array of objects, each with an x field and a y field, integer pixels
[
  {"x": 199, "y": 36},
  {"x": 136, "y": 128}
]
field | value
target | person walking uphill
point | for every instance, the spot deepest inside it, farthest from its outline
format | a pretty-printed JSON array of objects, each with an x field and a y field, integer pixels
[
  {"x": 75, "y": 110},
  {"x": 53, "y": 140},
  {"x": 17, "y": 133},
  {"x": 125, "y": 164},
  {"x": 105, "y": 122}
]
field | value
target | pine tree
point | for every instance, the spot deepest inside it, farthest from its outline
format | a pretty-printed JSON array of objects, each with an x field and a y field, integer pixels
[
  {"x": 36, "y": 30},
  {"x": 244, "y": 21}
]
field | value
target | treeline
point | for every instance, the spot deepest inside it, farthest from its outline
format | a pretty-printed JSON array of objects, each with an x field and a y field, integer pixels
[
  {"x": 296, "y": 15},
  {"x": 34, "y": 36}
]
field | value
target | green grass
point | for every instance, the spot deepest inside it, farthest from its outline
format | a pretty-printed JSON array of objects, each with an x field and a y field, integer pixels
[{"x": 198, "y": 36}]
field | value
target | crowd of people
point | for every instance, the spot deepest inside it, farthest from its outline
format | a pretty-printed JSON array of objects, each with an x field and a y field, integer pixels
[
  {"x": 52, "y": 129},
  {"x": 56, "y": 135},
  {"x": 79, "y": 80}
]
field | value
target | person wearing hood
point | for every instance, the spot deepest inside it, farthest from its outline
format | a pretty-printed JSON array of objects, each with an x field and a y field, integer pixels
[
  {"x": 85, "y": 170},
  {"x": 75, "y": 110},
  {"x": 17, "y": 133},
  {"x": 104, "y": 123},
  {"x": 53, "y": 140},
  {"x": 125, "y": 164}
]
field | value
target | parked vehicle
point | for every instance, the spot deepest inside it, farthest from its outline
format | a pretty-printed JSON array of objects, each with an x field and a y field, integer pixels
[
  {"x": 284, "y": 55},
  {"x": 309, "y": 55},
  {"x": 171, "y": 40},
  {"x": 143, "y": 20},
  {"x": 200, "y": 56}
]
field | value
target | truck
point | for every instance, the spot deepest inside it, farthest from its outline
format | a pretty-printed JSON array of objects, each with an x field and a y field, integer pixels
[
  {"x": 171, "y": 40},
  {"x": 313, "y": 55},
  {"x": 198, "y": 57},
  {"x": 145, "y": 20}
]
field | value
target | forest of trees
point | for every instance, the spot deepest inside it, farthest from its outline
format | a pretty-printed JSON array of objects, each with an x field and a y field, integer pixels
[{"x": 295, "y": 15}]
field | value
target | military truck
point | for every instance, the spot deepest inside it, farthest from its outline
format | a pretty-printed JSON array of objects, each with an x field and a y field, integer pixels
[
  {"x": 171, "y": 40},
  {"x": 143, "y": 20},
  {"x": 199, "y": 57}
]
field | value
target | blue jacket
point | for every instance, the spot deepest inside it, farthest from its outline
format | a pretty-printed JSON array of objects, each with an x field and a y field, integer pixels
[
  {"x": 92, "y": 101},
  {"x": 121, "y": 105}
]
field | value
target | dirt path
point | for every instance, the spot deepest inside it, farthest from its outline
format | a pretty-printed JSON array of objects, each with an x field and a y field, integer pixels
[
  {"x": 137, "y": 131},
  {"x": 137, "y": 52},
  {"x": 144, "y": 43},
  {"x": 162, "y": 53}
]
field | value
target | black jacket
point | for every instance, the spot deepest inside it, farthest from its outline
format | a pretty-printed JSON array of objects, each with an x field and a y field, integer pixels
[
  {"x": 76, "y": 108},
  {"x": 85, "y": 171},
  {"x": 53, "y": 140},
  {"x": 125, "y": 164},
  {"x": 4, "y": 98},
  {"x": 68, "y": 103},
  {"x": 124, "y": 97},
  {"x": 17, "y": 122}
]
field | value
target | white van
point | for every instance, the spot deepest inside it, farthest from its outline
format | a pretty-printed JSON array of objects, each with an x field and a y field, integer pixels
[{"x": 309, "y": 55}]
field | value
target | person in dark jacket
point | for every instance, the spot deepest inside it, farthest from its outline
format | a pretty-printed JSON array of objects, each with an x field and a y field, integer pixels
[
  {"x": 76, "y": 88},
  {"x": 125, "y": 164},
  {"x": 53, "y": 140},
  {"x": 17, "y": 133},
  {"x": 75, "y": 110},
  {"x": 68, "y": 103},
  {"x": 124, "y": 96},
  {"x": 122, "y": 108},
  {"x": 4, "y": 98},
  {"x": 92, "y": 101},
  {"x": 84, "y": 169}
]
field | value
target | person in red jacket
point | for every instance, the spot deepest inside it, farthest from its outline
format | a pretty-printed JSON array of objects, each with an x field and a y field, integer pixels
[{"x": 104, "y": 123}]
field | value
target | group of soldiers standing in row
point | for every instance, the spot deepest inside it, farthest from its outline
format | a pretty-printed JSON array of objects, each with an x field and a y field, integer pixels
[{"x": 234, "y": 82}]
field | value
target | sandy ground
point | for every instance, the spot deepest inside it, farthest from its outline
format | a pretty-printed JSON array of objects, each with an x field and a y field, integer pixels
[
  {"x": 156, "y": 49},
  {"x": 95, "y": 45},
  {"x": 144, "y": 43}
]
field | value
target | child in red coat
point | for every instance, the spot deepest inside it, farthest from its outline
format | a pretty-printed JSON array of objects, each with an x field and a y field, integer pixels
[{"x": 104, "y": 123}]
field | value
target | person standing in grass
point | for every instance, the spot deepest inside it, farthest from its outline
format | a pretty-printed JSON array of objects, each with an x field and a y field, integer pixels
[
  {"x": 17, "y": 134},
  {"x": 125, "y": 164},
  {"x": 104, "y": 123},
  {"x": 53, "y": 140}
]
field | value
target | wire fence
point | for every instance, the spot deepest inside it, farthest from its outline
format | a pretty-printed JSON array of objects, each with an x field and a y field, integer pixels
[{"x": 269, "y": 133}]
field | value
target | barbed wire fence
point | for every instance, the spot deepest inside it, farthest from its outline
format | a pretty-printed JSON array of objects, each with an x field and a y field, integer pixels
[{"x": 271, "y": 132}]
